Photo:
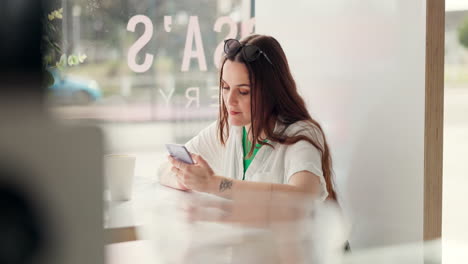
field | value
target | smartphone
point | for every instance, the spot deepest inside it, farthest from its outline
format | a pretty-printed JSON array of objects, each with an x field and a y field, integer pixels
[{"x": 179, "y": 152}]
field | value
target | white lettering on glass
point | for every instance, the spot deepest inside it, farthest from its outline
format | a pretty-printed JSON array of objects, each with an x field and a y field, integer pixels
[
  {"x": 140, "y": 43},
  {"x": 168, "y": 97},
  {"x": 195, "y": 98},
  {"x": 167, "y": 23},
  {"x": 220, "y": 22},
  {"x": 215, "y": 97},
  {"x": 247, "y": 27},
  {"x": 193, "y": 32}
]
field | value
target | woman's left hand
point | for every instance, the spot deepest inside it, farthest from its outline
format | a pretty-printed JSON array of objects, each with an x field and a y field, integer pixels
[{"x": 198, "y": 176}]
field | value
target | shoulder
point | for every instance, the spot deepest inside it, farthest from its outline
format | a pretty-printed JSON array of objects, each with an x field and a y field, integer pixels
[
  {"x": 211, "y": 131},
  {"x": 305, "y": 128},
  {"x": 305, "y": 155},
  {"x": 205, "y": 138}
]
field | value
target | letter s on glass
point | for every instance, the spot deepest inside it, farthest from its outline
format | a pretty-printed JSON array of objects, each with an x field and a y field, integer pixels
[
  {"x": 140, "y": 43},
  {"x": 220, "y": 22}
]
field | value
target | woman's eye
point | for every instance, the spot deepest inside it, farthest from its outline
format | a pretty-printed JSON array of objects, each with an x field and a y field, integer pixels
[
  {"x": 244, "y": 93},
  {"x": 225, "y": 88}
]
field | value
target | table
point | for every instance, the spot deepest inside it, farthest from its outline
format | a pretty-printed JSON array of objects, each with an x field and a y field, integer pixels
[
  {"x": 153, "y": 219},
  {"x": 416, "y": 253},
  {"x": 152, "y": 232}
]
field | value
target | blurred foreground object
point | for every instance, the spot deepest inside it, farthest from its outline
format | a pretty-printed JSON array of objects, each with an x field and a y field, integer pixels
[
  {"x": 51, "y": 178},
  {"x": 50, "y": 175},
  {"x": 20, "y": 56}
]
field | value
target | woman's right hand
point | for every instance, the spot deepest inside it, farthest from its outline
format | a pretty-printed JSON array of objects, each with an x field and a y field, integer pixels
[{"x": 169, "y": 179}]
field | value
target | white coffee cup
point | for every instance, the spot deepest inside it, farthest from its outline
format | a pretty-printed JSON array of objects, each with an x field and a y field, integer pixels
[{"x": 119, "y": 172}]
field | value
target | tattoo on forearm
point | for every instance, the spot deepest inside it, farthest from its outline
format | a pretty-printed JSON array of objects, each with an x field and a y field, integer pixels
[{"x": 224, "y": 185}]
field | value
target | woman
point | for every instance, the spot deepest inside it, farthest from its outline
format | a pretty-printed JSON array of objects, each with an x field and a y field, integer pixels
[{"x": 264, "y": 140}]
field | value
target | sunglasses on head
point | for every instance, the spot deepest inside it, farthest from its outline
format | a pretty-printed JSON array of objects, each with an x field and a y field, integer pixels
[{"x": 249, "y": 52}]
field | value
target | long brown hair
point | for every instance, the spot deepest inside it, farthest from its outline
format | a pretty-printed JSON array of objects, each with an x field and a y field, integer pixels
[{"x": 274, "y": 97}]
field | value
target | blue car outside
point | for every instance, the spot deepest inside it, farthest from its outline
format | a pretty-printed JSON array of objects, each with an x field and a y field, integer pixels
[{"x": 74, "y": 91}]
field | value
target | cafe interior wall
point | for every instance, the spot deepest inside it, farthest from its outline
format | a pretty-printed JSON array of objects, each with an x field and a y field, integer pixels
[{"x": 360, "y": 67}]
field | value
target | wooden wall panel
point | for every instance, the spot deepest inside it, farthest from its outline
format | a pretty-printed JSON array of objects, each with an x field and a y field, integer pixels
[{"x": 434, "y": 113}]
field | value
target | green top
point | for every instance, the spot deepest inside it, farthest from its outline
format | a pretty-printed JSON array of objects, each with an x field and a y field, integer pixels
[{"x": 246, "y": 144}]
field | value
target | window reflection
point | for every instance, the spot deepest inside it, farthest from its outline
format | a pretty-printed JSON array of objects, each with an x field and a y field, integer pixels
[{"x": 141, "y": 61}]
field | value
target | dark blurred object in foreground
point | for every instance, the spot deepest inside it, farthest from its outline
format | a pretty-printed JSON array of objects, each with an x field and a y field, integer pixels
[
  {"x": 20, "y": 227},
  {"x": 51, "y": 190},
  {"x": 20, "y": 55},
  {"x": 50, "y": 174}
]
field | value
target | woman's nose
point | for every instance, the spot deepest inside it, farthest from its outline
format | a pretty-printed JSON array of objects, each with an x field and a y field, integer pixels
[{"x": 232, "y": 99}]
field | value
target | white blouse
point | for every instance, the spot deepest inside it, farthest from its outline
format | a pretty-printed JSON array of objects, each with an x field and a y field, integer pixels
[{"x": 269, "y": 165}]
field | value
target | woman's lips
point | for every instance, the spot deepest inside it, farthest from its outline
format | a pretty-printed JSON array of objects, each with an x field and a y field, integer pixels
[{"x": 234, "y": 113}]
